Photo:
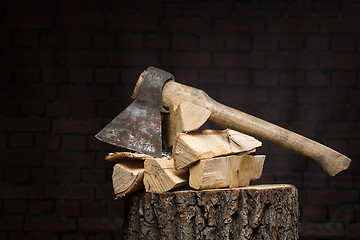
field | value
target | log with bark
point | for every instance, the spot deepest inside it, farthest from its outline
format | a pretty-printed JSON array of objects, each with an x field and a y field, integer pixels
[{"x": 255, "y": 212}]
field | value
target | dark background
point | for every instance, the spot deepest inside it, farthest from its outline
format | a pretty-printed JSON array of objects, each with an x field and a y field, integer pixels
[{"x": 68, "y": 67}]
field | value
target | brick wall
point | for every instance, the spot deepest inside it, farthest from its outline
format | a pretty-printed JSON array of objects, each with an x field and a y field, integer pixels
[{"x": 68, "y": 67}]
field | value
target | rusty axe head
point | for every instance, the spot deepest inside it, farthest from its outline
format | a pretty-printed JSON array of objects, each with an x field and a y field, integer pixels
[{"x": 138, "y": 127}]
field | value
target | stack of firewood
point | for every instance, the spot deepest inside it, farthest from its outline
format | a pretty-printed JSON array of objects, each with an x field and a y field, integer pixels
[{"x": 201, "y": 160}]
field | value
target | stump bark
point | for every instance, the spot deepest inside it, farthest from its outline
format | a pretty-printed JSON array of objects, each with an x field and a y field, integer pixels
[{"x": 255, "y": 212}]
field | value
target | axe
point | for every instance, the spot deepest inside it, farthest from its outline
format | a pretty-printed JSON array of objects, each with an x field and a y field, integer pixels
[{"x": 138, "y": 127}]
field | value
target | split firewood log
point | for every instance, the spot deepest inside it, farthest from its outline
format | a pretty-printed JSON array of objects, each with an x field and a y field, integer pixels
[
  {"x": 192, "y": 147},
  {"x": 228, "y": 171},
  {"x": 161, "y": 176}
]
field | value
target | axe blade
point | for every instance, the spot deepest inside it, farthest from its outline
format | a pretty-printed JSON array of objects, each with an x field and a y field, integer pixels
[{"x": 137, "y": 128}]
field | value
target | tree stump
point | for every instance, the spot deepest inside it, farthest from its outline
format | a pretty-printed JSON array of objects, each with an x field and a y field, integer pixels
[{"x": 255, "y": 212}]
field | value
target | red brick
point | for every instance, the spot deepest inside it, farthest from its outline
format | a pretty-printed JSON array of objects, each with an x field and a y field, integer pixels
[
  {"x": 344, "y": 79},
  {"x": 26, "y": 22},
  {"x": 132, "y": 23},
  {"x": 130, "y": 41},
  {"x": 330, "y": 198},
  {"x": 95, "y": 144},
  {"x": 281, "y": 95},
  {"x": 26, "y": 39},
  {"x": 5, "y": 39},
  {"x": 94, "y": 176},
  {"x": 184, "y": 42},
  {"x": 27, "y": 75},
  {"x": 41, "y": 175},
  {"x": 315, "y": 180},
  {"x": 84, "y": 110},
  {"x": 52, "y": 40},
  {"x": 237, "y": 60},
  {"x": 341, "y": 130},
  {"x": 243, "y": 95},
  {"x": 74, "y": 142},
  {"x": 16, "y": 158},
  {"x": 17, "y": 175},
  {"x": 40, "y": 207},
  {"x": 84, "y": 93},
  {"x": 24, "y": 124},
  {"x": 67, "y": 208},
  {"x": 20, "y": 236},
  {"x": 76, "y": 126},
  {"x": 47, "y": 142},
  {"x": 354, "y": 147},
  {"x": 317, "y": 79},
  {"x": 349, "y": 62},
  {"x": 292, "y": 62},
  {"x": 322, "y": 95},
  {"x": 79, "y": 40},
  {"x": 211, "y": 77},
  {"x": 133, "y": 58},
  {"x": 74, "y": 236},
  {"x": 107, "y": 75},
  {"x": 299, "y": 10},
  {"x": 14, "y": 206},
  {"x": 58, "y": 109},
  {"x": 3, "y": 140},
  {"x": 355, "y": 96},
  {"x": 21, "y": 140},
  {"x": 75, "y": 192},
  {"x": 29, "y": 56},
  {"x": 211, "y": 42},
  {"x": 239, "y": 26},
  {"x": 262, "y": 78},
  {"x": 286, "y": 163},
  {"x": 32, "y": 108},
  {"x": 199, "y": 59},
  {"x": 194, "y": 24},
  {"x": 105, "y": 41},
  {"x": 158, "y": 41},
  {"x": 80, "y": 75},
  {"x": 289, "y": 178},
  {"x": 345, "y": 113},
  {"x": 339, "y": 27},
  {"x": 343, "y": 182},
  {"x": 238, "y": 43},
  {"x": 102, "y": 224},
  {"x": 341, "y": 214},
  {"x": 343, "y": 44},
  {"x": 71, "y": 159},
  {"x": 116, "y": 208},
  {"x": 11, "y": 223},
  {"x": 320, "y": 113},
  {"x": 238, "y": 77},
  {"x": 92, "y": 209},
  {"x": 19, "y": 7},
  {"x": 321, "y": 231},
  {"x": 33, "y": 92},
  {"x": 291, "y": 43},
  {"x": 265, "y": 43},
  {"x": 23, "y": 191},
  {"x": 292, "y": 26},
  {"x": 77, "y": 57},
  {"x": 353, "y": 231},
  {"x": 54, "y": 75},
  {"x": 49, "y": 224},
  {"x": 104, "y": 192},
  {"x": 79, "y": 22},
  {"x": 294, "y": 78},
  {"x": 68, "y": 175},
  {"x": 317, "y": 43},
  {"x": 313, "y": 214},
  {"x": 9, "y": 108}
]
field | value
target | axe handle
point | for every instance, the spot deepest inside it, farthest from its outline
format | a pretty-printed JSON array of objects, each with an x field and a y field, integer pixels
[{"x": 331, "y": 161}]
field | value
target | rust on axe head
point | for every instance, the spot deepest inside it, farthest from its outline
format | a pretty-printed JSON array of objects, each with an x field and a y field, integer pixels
[{"x": 138, "y": 127}]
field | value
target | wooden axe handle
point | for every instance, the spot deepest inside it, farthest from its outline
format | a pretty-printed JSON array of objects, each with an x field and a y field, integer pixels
[{"x": 331, "y": 161}]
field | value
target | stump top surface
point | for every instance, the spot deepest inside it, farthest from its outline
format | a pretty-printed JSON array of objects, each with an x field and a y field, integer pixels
[{"x": 253, "y": 187}]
